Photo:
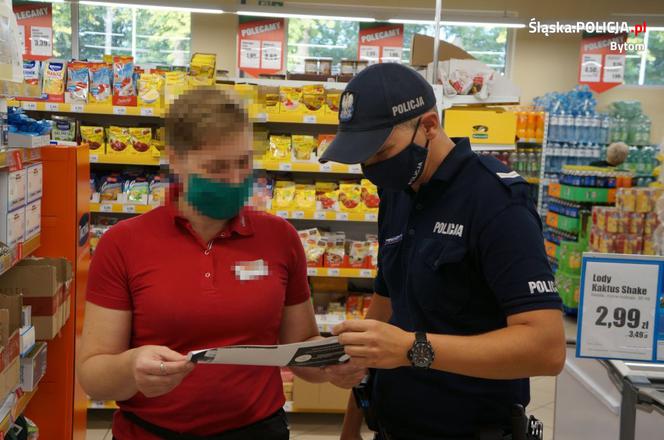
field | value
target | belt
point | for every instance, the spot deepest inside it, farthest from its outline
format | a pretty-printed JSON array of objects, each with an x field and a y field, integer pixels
[{"x": 276, "y": 421}]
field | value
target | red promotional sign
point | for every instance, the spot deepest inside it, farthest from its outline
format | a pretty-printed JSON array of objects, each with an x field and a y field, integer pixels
[
  {"x": 35, "y": 27},
  {"x": 602, "y": 62},
  {"x": 261, "y": 45},
  {"x": 380, "y": 42}
]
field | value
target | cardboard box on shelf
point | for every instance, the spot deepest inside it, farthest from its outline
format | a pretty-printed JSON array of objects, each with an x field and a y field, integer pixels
[
  {"x": 10, "y": 322},
  {"x": 494, "y": 126},
  {"x": 12, "y": 190},
  {"x": 32, "y": 219},
  {"x": 33, "y": 367},
  {"x": 34, "y": 182},
  {"x": 17, "y": 140},
  {"x": 12, "y": 227},
  {"x": 421, "y": 51},
  {"x": 28, "y": 339},
  {"x": 311, "y": 397}
]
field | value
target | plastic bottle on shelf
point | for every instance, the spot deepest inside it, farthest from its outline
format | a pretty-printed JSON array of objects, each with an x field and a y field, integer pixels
[
  {"x": 554, "y": 127},
  {"x": 596, "y": 129},
  {"x": 539, "y": 130},
  {"x": 521, "y": 124},
  {"x": 522, "y": 160},
  {"x": 531, "y": 125},
  {"x": 578, "y": 129}
]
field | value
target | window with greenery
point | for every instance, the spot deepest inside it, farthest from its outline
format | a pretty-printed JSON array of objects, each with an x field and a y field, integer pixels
[
  {"x": 487, "y": 44},
  {"x": 646, "y": 67},
  {"x": 62, "y": 30},
  {"x": 150, "y": 36},
  {"x": 321, "y": 39}
]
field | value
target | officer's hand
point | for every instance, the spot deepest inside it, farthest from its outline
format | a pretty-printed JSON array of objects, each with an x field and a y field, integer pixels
[
  {"x": 375, "y": 344},
  {"x": 346, "y": 375},
  {"x": 150, "y": 377}
]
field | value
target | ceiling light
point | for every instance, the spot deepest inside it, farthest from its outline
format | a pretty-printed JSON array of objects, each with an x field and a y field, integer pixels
[
  {"x": 154, "y": 7},
  {"x": 458, "y": 23},
  {"x": 306, "y": 16}
]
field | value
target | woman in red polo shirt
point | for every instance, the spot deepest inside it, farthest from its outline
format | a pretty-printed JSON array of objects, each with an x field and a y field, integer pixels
[{"x": 169, "y": 282}]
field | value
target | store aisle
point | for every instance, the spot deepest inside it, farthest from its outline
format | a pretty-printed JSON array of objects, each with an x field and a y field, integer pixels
[{"x": 327, "y": 427}]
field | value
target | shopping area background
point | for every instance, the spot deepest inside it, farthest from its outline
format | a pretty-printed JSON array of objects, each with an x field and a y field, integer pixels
[{"x": 516, "y": 94}]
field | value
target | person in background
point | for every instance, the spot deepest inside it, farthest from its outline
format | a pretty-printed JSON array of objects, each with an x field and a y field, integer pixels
[
  {"x": 201, "y": 272},
  {"x": 616, "y": 155},
  {"x": 465, "y": 306}
]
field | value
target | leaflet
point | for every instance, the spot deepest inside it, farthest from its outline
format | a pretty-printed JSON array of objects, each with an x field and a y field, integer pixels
[{"x": 320, "y": 353}]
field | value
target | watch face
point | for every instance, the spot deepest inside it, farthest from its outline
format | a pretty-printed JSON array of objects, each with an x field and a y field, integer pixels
[{"x": 421, "y": 355}]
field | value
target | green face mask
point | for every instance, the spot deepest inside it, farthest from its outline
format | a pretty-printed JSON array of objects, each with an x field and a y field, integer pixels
[{"x": 218, "y": 200}]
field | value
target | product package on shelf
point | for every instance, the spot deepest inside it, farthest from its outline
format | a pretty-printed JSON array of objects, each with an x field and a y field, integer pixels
[{"x": 333, "y": 250}]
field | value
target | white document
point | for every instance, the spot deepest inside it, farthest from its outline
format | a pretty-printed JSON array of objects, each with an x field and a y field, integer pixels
[
  {"x": 271, "y": 55},
  {"x": 250, "y": 54},
  {"x": 591, "y": 67},
  {"x": 614, "y": 68},
  {"x": 319, "y": 353},
  {"x": 42, "y": 41}
]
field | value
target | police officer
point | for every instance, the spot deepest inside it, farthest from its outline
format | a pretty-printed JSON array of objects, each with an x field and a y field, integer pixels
[{"x": 465, "y": 306}]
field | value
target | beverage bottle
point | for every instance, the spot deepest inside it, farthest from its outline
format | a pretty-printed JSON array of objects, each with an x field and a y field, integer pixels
[
  {"x": 531, "y": 125},
  {"x": 562, "y": 126},
  {"x": 606, "y": 125},
  {"x": 571, "y": 134},
  {"x": 521, "y": 124},
  {"x": 554, "y": 127},
  {"x": 596, "y": 129},
  {"x": 512, "y": 160},
  {"x": 539, "y": 131},
  {"x": 522, "y": 161},
  {"x": 578, "y": 128}
]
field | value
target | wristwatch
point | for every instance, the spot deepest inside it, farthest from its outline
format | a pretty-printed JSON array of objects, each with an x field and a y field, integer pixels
[{"x": 421, "y": 354}]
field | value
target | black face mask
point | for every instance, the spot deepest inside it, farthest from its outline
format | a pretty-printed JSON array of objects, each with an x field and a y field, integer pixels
[{"x": 400, "y": 171}]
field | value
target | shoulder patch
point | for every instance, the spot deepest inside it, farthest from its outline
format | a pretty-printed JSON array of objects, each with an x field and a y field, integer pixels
[{"x": 500, "y": 171}]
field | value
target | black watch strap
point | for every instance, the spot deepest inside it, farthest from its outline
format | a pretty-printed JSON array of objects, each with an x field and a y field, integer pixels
[{"x": 421, "y": 337}]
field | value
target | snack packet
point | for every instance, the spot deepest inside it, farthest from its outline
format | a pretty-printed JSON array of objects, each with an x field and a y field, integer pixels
[
  {"x": 370, "y": 199},
  {"x": 31, "y": 72},
  {"x": 64, "y": 129},
  {"x": 350, "y": 197},
  {"x": 305, "y": 197},
  {"x": 202, "y": 69},
  {"x": 324, "y": 141},
  {"x": 358, "y": 251},
  {"x": 303, "y": 147},
  {"x": 124, "y": 87},
  {"x": 101, "y": 76},
  {"x": 280, "y": 147},
  {"x": 354, "y": 307},
  {"x": 313, "y": 97},
  {"x": 110, "y": 188},
  {"x": 141, "y": 139},
  {"x": 174, "y": 85},
  {"x": 332, "y": 100},
  {"x": 78, "y": 83},
  {"x": 119, "y": 138},
  {"x": 93, "y": 136},
  {"x": 158, "y": 188},
  {"x": 284, "y": 195},
  {"x": 150, "y": 90},
  {"x": 314, "y": 246},
  {"x": 335, "y": 252},
  {"x": 366, "y": 303},
  {"x": 137, "y": 191},
  {"x": 53, "y": 83},
  {"x": 372, "y": 241},
  {"x": 290, "y": 98},
  {"x": 327, "y": 196}
]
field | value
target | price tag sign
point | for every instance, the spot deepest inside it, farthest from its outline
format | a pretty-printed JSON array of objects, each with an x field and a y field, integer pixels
[
  {"x": 355, "y": 169},
  {"x": 282, "y": 214},
  {"x": 621, "y": 312},
  {"x": 366, "y": 273},
  {"x": 30, "y": 105},
  {"x": 371, "y": 217},
  {"x": 309, "y": 119},
  {"x": 77, "y": 108},
  {"x": 342, "y": 216},
  {"x": 42, "y": 41},
  {"x": 591, "y": 67},
  {"x": 94, "y": 158},
  {"x": 298, "y": 215},
  {"x": 147, "y": 111},
  {"x": 333, "y": 272},
  {"x": 261, "y": 117},
  {"x": 119, "y": 110},
  {"x": 130, "y": 209},
  {"x": 312, "y": 271},
  {"x": 285, "y": 167},
  {"x": 106, "y": 207},
  {"x": 319, "y": 215},
  {"x": 52, "y": 107},
  {"x": 326, "y": 167}
]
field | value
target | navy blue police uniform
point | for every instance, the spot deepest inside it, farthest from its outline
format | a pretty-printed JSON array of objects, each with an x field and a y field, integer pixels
[{"x": 457, "y": 257}]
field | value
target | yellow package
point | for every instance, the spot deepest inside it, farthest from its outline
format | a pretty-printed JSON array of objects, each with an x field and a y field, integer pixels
[
  {"x": 174, "y": 85},
  {"x": 284, "y": 195},
  {"x": 350, "y": 197},
  {"x": 202, "y": 69},
  {"x": 150, "y": 90},
  {"x": 53, "y": 83},
  {"x": 370, "y": 199},
  {"x": 327, "y": 196},
  {"x": 280, "y": 147},
  {"x": 290, "y": 98},
  {"x": 313, "y": 97},
  {"x": 119, "y": 140},
  {"x": 303, "y": 147},
  {"x": 94, "y": 137},
  {"x": 141, "y": 140},
  {"x": 305, "y": 197},
  {"x": 332, "y": 100}
]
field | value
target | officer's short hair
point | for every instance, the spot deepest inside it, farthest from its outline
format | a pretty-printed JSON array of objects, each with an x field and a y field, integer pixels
[
  {"x": 203, "y": 115},
  {"x": 412, "y": 123}
]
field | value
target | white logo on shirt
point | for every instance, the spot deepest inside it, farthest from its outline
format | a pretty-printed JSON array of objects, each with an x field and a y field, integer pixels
[
  {"x": 542, "y": 287},
  {"x": 448, "y": 229}
]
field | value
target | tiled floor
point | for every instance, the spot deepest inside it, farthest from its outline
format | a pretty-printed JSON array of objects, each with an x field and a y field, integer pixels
[{"x": 327, "y": 427}]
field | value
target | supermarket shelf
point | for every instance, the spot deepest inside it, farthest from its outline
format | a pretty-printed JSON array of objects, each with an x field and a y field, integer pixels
[
  {"x": 102, "y": 404},
  {"x": 8, "y": 157},
  {"x": 124, "y": 160},
  {"x": 471, "y": 99},
  {"x": 307, "y": 167},
  {"x": 19, "y": 409},
  {"x": 27, "y": 248},
  {"x": 99, "y": 109},
  {"x": 533, "y": 180},
  {"x": 340, "y": 272},
  {"x": 323, "y": 215},
  {"x": 122, "y": 208},
  {"x": 493, "y": 147},
  {"x": 261, "y": 116}
]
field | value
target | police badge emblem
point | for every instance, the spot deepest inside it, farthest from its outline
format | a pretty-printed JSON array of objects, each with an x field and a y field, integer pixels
[{"x": 347, "y": 107}]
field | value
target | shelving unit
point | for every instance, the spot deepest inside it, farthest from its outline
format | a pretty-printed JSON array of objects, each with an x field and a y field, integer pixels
[
  {"x": 123, "y": 208},
  {"x": 16, "y": 411},
  {"x": 325, "y": 215},
  {"x": 96, "y": 109}
]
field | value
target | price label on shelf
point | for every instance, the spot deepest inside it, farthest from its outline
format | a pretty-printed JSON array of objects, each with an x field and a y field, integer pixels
[
  {"x": 147, "y": 111},
  {"x": 366, "y": 273},
  {"x": 77, "y": 108},
  {"x": 106, "y": 207},
  {"x": 52, "y": 107},
  {"x": 309, "y": 119},
  {"x": 320, "y": 215},
  {"x": 355, "y": 169},
  {"x": 620, "y": 308},
  {"x": 118, "y": 110},
  {"x": 333, "y": 272},
  {"x": 342, "y": 216},
  {"x": 286, "y": 167},
  {"x": 298, "y": 215},
  {"x": 261, "y": 117},
  {"x": 282, "y": 214},
  {"x": 130, "y": 209},
  {"x": 371, "y": 217},
  {"x": 326, "y": 167},
  {"x": 94, "y": 158},
  {"x": 312, "y": 271},
  {"x": 30, "y": 105}
]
